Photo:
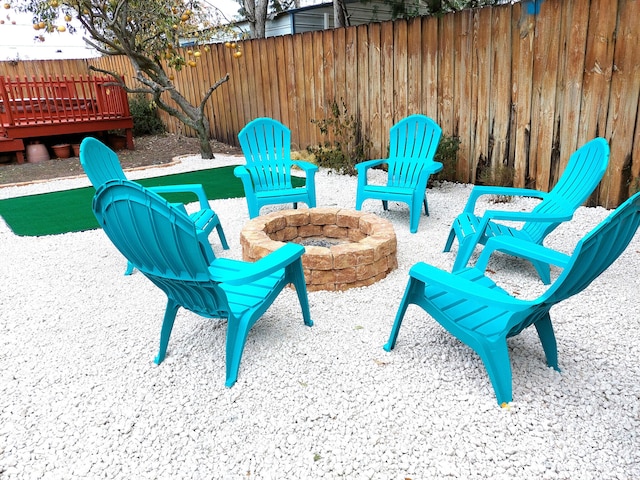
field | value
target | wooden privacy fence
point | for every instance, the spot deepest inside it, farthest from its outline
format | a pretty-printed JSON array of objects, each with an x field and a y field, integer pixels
[{"x": 518, "y": 90}]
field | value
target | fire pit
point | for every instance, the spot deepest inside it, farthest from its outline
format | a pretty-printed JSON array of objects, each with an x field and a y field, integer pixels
[{"x": 343, "y": 248}]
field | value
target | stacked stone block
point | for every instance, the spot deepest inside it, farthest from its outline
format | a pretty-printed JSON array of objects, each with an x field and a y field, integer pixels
[{"x": 366, "y": 252}]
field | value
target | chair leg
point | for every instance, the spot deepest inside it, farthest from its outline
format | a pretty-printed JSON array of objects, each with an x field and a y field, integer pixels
[
  {"x": 237, "y": 332},
  {"x": 465, "y": 250},
  {"x": 385, "y": 205},
  {"x": 223, "y": 239},
  {"x": 167, "y": 326},
  {"x": 413, "y": 286},
  {"x": 295, "y": 205},
  {"x": 495, "y": 357},
  {"x": 426, "y": 206},
  {"x": 129, "y": 269},
  {"x": 544, "y": 327},
  {"x": 450, "y": 239},
  {"x": 296, "y": 274},
  {"x": 544, "y": 271}
]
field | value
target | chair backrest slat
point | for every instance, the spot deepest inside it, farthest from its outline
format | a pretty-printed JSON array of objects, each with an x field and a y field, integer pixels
[
  {"x": 412, "y": 144},
  {"x": 158, "y": 238},
  {"x": 266, "y": 144},
  {"x": 584, "y": 171},
  {"x": 597, "y": 251},
  {"x": 99, "y": 162}
]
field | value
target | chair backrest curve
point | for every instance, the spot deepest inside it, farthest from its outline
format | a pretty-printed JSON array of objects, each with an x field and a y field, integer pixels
[
  {"x": 413, "y": 141},
  {"x": 99, "y": 162},
  {"x": 157, "y": 238},
  {"x": 597, "y": 251},
  {"x": 583, "y": 173},
  {"x": 266, "y": 145}
]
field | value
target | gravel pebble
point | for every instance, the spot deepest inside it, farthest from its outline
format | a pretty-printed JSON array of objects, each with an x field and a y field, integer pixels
[{"x": 80, "y": 396}]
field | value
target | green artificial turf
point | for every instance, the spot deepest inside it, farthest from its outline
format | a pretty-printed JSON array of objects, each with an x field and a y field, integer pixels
[{"x": 70, "y": 210}]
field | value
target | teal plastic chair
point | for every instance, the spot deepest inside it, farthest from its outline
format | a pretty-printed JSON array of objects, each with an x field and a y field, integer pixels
[
  {"x": 482, "y": 315},
  {"x": 412, "y": 146},
  {"x": 266, "y": 177},
  {"x": 582, "y": 175},
  {"x": 102, "y": 164},
  {"x": 162, "y": 242}
]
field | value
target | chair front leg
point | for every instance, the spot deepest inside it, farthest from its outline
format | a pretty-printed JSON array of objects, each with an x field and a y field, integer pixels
[
  {"x": 167, "y": 325},
  {"x": 413, "y": 288}
]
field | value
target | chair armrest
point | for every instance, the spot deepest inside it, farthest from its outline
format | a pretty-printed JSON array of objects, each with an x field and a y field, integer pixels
[
  {"x": 194, "y": 188},
  {"x": 430, "y": 275},
  {"x": 527, "y": 216},
  {"x": 364, "y": 166},
  {"x": 518, "y": 248},
  {"x": 480, "y": 190},
  {"x": 308, "y": 167},
  {"x": 264, "y": 267},
  {"x": 429, "y": 169}
]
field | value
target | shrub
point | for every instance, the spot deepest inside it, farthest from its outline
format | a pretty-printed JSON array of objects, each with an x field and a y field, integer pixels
[
  {"x": 146, "y": 120},
  {"x": 348, "y": 147},
  {"x": 447, "y": 154},
  {"x": 500, "y": 175}
]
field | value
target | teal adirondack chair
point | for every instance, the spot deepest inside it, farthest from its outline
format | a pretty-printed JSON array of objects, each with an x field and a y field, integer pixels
[
  {"x": 266, "y": 177},
  {"x": 101, "y": 164},
  {"x": 580, "y": 178},
  {"x": 162, "y": 242},
  {"x": 482, "y": 315},
  {"x": 412, "y": 146}
]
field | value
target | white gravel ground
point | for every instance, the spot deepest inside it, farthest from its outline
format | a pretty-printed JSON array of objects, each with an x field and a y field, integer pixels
[{"x": 80, "y": 396}]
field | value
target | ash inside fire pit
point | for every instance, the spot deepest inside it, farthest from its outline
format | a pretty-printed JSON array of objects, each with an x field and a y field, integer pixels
[
  {"x": 320, "y": 242},
  {"x": 343, "y": 248}
]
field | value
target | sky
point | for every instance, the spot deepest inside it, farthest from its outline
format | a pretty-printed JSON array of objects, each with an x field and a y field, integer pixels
[{"x": 17, "y": 39}]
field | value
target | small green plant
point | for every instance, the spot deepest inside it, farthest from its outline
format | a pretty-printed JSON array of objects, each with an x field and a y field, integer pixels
[
  {"x": 500, "y": 175},
  {"x": 345, "y": 145},
  {"x": 447, "y": 154},
  {"x": 146, "y": 120}
]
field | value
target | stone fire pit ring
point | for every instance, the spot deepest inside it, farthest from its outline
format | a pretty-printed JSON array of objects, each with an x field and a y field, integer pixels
[{"x": 361, "y": 247}]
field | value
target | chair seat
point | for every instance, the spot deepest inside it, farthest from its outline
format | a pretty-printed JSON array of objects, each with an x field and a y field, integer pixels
[
  {"x": 289, "y": 194},
  {"x": 469, "y": 315},
  {"x": 385, "y": 191},
  {"x": 467, "y": 224}
]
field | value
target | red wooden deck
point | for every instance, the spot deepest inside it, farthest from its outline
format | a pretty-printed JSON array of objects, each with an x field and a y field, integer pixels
[{"x": 35, "y": 108}]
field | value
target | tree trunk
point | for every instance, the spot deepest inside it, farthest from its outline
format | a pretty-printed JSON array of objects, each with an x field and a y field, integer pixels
[{"x": 340, "y": 18}]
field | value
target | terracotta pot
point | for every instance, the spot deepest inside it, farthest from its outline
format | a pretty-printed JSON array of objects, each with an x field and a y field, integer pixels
[
  {"x": 76, "y": 149},
  {"x": 62, "y": 150},
  {"x": 37, "y": 152},
  {"x": 117, "y": 142}
]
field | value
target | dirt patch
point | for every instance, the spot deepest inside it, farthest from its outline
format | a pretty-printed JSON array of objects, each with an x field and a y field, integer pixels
[{"x": 150, "y": 150}]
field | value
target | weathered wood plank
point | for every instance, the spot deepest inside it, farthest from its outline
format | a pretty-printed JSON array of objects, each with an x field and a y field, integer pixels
[
  {"x": 545, "y": 73},
  {"x": 522, "y": 49},
  {"x": 500, "y": 90},
  {"x": 400, "y": 79},
  {"x": 374, "y": 129},
  {"x": 481, "y": 75},
  {"x": 623, "y": 103},
  {"x": 463, "y": 96}
]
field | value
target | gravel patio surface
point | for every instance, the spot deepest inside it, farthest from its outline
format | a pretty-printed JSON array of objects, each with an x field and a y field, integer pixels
[{"x": 80, "y": 396}]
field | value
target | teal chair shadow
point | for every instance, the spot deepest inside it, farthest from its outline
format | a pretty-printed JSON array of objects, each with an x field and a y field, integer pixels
[
  {"x": 163, "y": 243},
  {"x": 413, "y": 142},
  {"x": 266, "y": 176},
  {"x": 101, "y": 164},
  {"x": 470, "y": 305},
  {"x": 582, "y": 175}
]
